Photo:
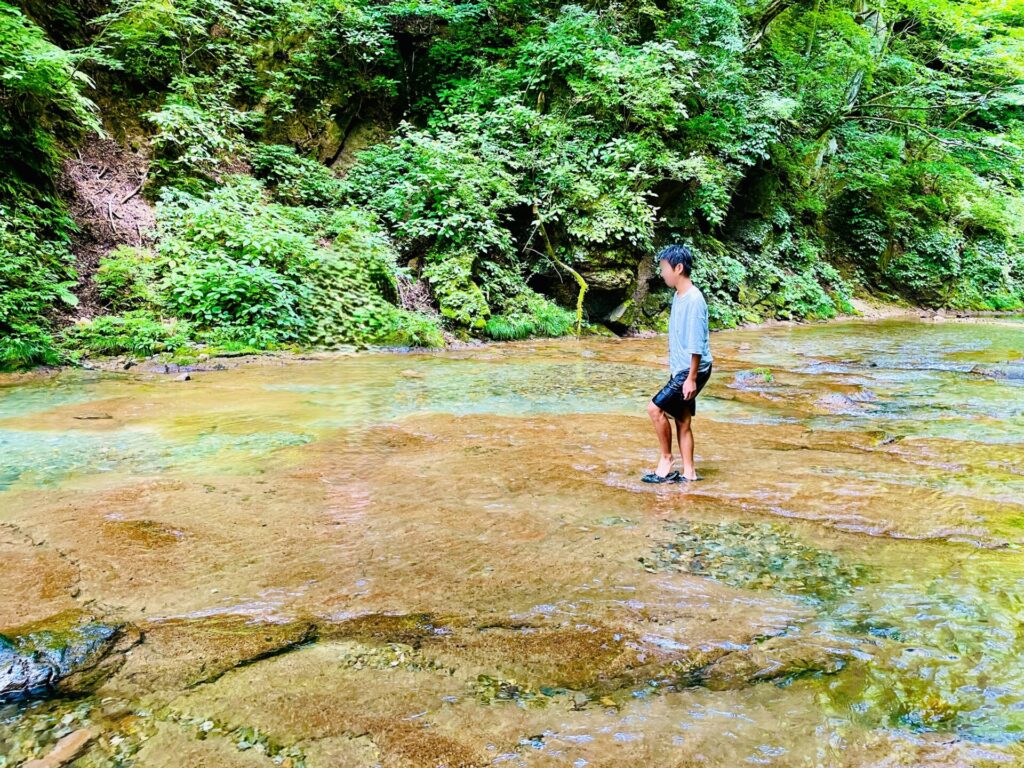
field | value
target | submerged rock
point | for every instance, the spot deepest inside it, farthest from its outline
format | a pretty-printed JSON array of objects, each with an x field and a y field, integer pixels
[
  {"x": 756, "y": 556},
  {"x": 68, "y": 654},
  {"x": 1012, "y": 371},
  {"x": 780, "y": 660},
  {"x": 180, "y": 653},
  {"x": 754, "y": 379},
  {"x": 64, "y": 751},
  {"x": 840, "y": 404}
]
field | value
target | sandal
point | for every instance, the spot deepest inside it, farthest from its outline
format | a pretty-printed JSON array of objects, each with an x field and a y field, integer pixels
[{"x": 654, "y": 477}]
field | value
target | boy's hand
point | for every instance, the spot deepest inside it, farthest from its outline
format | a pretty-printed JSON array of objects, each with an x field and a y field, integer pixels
[{"x": 689, "y": 388}]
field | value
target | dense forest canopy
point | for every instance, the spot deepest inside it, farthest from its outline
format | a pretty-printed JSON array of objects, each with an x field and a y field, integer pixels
[{"x": 327, "y": 172}]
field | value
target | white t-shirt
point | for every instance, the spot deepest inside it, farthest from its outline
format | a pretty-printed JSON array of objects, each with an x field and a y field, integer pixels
[{"x": 688, "y": 332}]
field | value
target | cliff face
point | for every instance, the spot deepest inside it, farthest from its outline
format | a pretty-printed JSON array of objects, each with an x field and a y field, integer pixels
[{"x": 454, "y": 169}]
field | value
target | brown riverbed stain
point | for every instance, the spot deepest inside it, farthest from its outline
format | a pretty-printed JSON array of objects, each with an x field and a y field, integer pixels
[
  {"x": 145, "y": 533},
  {"x": 468, "y": 524}
]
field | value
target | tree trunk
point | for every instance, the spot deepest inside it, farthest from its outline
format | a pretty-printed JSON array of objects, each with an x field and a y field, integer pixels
[
  {"x": 771, "y": 12},
  {"x": 871, "y": 20}
]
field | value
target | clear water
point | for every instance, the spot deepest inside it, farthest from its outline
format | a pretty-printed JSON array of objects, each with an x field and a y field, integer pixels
[{"x": 849, "y": 594}]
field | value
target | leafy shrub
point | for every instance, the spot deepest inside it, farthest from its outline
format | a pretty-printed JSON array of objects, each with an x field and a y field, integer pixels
[
  {"x": 352, "y": 286},
  {"x": 36, "y": 277},
  {"x": 197, "y": 130},
  {"x": 222, "y": 292},
  {"x": 393, "y": 327},
  {"x": 801, "y": 296},
  {"x": 41, "y": 103},
  {"x": 721, "y": 278},
  {"x": 243, "y": 267},
  {"x": 238, "y": 338},
  {"x": 295, "y": 180},
  {"x": 327, "y": 57},
  {"x": 138, "y": 333},
  {"x": 232, "y": 259},
  {"x": 458, "y": 296},
  {"x": 25, "y": 345},
  {"x": 155, "y": 40},
  {"x": 441, "y": 191},
  {"x": 530, "y": 314},
  {"x": 125, "y": 278},
  {"x": 988, "y": 278},
  {"x": 928, "y": 265},
  {"x": 35, "y": 272}
]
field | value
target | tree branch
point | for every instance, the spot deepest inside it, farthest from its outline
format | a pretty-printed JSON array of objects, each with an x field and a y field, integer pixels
[
  {"x": 774, "y": 10},
  {"x": 934, "y": 137},
  {"x": 576, "y": 275}
]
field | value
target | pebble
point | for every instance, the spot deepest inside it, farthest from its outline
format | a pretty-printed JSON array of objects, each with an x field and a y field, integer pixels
[{"x": 64, "y": 751}]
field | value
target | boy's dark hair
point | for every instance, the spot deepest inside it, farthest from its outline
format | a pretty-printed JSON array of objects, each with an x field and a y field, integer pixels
[{"x": 676, "y": 255}]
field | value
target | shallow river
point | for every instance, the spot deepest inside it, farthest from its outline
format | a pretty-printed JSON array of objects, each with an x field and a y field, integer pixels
[{"x": 448, "y": 558}]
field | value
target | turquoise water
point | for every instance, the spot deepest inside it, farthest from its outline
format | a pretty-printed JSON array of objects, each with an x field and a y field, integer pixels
[{"x": 885, "y": 456}]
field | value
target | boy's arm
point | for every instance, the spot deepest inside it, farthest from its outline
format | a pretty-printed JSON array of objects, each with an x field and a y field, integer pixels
[
  {"x": 697, "y": 328},
  {"x": 690, "y": 385}
]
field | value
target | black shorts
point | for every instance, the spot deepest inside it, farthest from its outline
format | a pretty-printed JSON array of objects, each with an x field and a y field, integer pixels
[{"x": 671, "y": 400}]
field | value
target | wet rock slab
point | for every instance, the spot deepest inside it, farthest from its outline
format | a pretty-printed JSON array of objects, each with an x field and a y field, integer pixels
[
  {"x": 64, "y": 655},
  {"x": 180, "y": 653},
  {"x": 779, "y": 660}
]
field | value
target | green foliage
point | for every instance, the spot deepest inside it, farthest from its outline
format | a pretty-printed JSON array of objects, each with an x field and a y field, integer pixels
[
  {"x": 353, "y": 285},
  {"x": 156, "y": 40},
  {"x": 295, "y": 180},
  {"x": 125, "y": 278},
  {"x": 25, "y": 345},
  {"x": 530, "y": 314},
  {"x": 248, "y": 339},
  {"x": 326, "y": 57},
  {"x": 36, "y": 274},
  {"x": 835, "y": 145},
  {"x": 41, "y": 103},
  {"x": 196, "y": 131},
  {"x": 221, "y": 291},
  {"x": 801, "y": 295},
  {"x": 460, "y": 299},
  {"x": 139, "y": 333},
  {"x": 232, "y": 259},
  {"x": 229, "y": 259},
  {"x": 438, "y": 191}
]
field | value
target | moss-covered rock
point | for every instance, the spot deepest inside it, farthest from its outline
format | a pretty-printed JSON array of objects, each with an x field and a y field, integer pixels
[
  {"x": 68, "y": 653},
  {"x": 779, "y": 660}
]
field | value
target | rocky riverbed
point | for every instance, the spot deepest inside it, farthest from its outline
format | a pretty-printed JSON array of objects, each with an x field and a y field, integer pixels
[{"x": 448, "y": 558}]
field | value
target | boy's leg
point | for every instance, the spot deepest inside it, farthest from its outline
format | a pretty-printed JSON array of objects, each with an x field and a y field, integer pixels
[
  {"x": 685, "y": 438},
  {"x": 664, "y": 432}
]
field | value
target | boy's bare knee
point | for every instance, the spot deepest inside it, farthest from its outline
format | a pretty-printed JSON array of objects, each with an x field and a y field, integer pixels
[{"x": 654, "y": 411}]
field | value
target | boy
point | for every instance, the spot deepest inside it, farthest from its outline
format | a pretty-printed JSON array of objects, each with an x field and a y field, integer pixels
[{"x": 689, "y": 358}]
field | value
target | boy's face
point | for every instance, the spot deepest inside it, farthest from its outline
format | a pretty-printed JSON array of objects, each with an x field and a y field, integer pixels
[{"x": 671, "y": 275}]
